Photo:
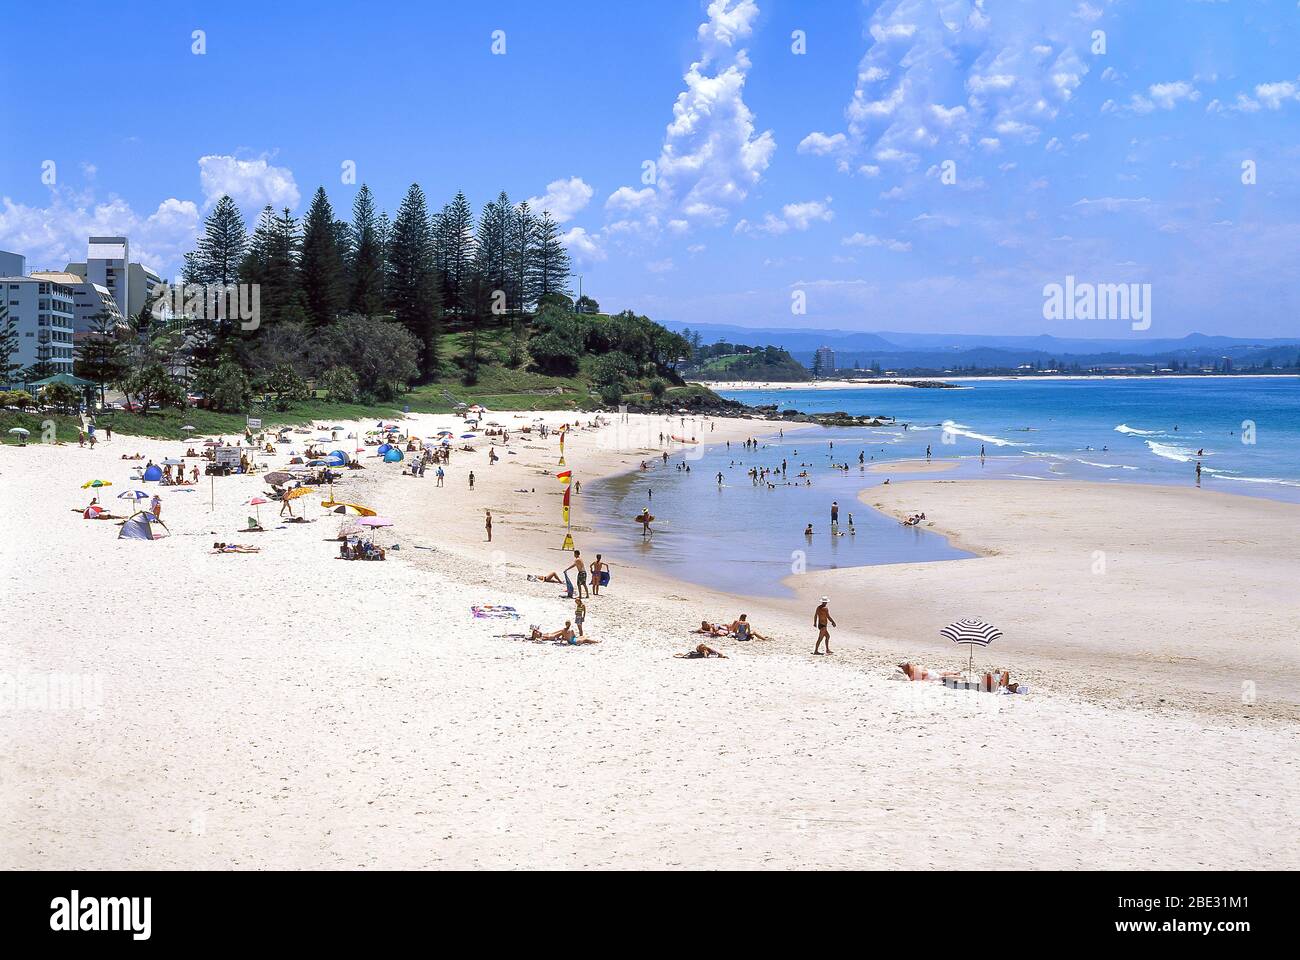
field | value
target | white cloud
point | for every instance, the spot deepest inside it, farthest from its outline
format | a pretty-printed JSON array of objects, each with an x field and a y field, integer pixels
[
  {"x": 871, "y": 240},
  {"x": 660, "y": 266},
  {"x": 626, "y": 199},
  {"x": 712, "y": 154},
  {"x": 819, "y": 144},
  {"x": 563, "y": 199},
  {"x": 794, "y": 216},
  {"x": 252, "y": 184},
  {"x": 1159, "y": 96},
  {"x": 1274, "y": 95},
  {"x": 54, "y": 235},
  {"x": 583, "y": 246}
]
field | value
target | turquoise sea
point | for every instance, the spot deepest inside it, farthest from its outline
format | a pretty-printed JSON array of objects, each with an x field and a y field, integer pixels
[{"x": 746, "y": 538}]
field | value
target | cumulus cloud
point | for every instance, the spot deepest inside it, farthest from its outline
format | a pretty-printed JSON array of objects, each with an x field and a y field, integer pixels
[
  {"x": 712, "y": 155},
  {"x": 563, "y": 199},
  {"x": 1164, "y": 96},
  {"x": 252, "y": 184},
  {"x": 819, "y": 144},
  {"x": 53, "y": 235},
  {"x": 961, "y": 74},
  {"x": 794, "y": 216},
  {"x": 583, "y": 247}
]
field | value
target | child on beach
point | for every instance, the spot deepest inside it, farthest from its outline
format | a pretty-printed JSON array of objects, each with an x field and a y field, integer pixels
[{"x": 579, "y": 614}]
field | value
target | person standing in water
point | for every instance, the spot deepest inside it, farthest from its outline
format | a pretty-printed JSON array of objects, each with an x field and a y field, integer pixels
[
  {"x": 835, "y": 513},
  {"x": 822, "y": 617}
]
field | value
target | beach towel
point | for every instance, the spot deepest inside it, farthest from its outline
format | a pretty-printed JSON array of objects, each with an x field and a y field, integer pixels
[
  {"x": 490, "y": 611},
  {"x": 568, "y": 584},
  {"x": 604, "y": 578}
]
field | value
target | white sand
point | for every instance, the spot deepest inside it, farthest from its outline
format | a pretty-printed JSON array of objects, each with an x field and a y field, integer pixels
[{"x": 291, "y": 710}]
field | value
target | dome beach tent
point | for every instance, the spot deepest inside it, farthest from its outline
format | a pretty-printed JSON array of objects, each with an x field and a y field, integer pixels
[
  {"x": 152, "y": 473},
  {"x": 139, "y": 526}
]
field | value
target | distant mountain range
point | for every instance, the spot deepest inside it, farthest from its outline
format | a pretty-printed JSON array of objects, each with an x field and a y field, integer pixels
[{"x": 939, "y": 351}]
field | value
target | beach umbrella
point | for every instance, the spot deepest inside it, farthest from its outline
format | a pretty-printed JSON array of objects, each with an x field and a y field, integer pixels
[
  {"x": 297, "y": 492},
  {"x": 187, "y": 428},
  {"x": 20, "y": 431},
  {"x": 469, "y": 436},
  {"x": 173, "y": 462},
  {"x": 133, "y": 495},
  {"x": 256, "y": 503},
  {"x": 375, "y": 522},
  {"x": 973, "y": 633},
  {"x": 96, "y": 483},
  {"x": 277, "y": 478}
]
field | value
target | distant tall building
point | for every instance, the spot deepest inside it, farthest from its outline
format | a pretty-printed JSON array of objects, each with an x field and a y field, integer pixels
[
  {"x": 824, "y": 361},
  {"x": 12, "y": 264},
  {"x": 108, "y": 264}
]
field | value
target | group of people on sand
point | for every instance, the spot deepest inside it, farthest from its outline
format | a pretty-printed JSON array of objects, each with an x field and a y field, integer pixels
[
  {"x": 912, "y": 520},
  {"x": 740, "y": 629},
  {"x": 361, "y": 550}
]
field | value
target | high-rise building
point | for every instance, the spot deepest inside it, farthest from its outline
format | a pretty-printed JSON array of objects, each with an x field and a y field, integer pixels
[
  {"x": 108, "y": 265},
  {"x": 43, "y": 311},
  {"x": 825, "y": 361}
]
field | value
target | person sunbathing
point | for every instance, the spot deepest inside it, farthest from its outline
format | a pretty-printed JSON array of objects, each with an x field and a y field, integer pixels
[
  {"x": 701, "y": 652},
  {"x": 234, "y": 548},
  {"x": 551, "y": 577},
  {"x": 564, "y": 636},
  {"x": 711, "y": 629}
]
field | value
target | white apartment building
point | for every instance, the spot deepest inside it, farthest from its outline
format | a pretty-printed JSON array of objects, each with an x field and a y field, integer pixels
[
  {"x": 89, "y": 300},
  {"x": 43, "y": 311}
]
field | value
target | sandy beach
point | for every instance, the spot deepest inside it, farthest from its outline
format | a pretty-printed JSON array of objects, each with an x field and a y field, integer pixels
[{"x": 286, "y": 709}]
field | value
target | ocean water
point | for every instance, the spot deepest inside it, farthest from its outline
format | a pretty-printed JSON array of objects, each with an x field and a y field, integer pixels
[
  {"x": 744, "y": 538},
  {"x": 1245, "y": 431}
]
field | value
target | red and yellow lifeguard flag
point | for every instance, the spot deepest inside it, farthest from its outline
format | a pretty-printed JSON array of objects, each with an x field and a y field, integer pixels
[
  {"x": 566, "y": 505},
  {"x": 564, "y": 476}
]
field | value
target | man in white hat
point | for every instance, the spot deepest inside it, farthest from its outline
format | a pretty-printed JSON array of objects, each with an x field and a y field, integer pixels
[{"x": 822, "y": 617}]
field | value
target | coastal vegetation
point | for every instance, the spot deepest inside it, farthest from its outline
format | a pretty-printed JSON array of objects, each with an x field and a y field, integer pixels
[{"x": 365, "y": 317}]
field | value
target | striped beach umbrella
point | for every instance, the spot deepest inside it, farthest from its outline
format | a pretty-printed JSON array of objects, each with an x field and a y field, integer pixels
[{"x": 973, "y": 633}]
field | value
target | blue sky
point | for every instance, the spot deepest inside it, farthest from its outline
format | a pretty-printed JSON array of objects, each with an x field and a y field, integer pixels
[{"x": 775, "y": 172}]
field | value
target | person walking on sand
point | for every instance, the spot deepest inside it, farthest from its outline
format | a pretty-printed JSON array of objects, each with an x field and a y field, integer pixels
[
  {"x": 471, "y": 479},
  {"x": 487, "y": 523},
  {"x": 155, "y": 507},
  {"x": 822, "y": 617},
  {"x": 440, "y": 476}
]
